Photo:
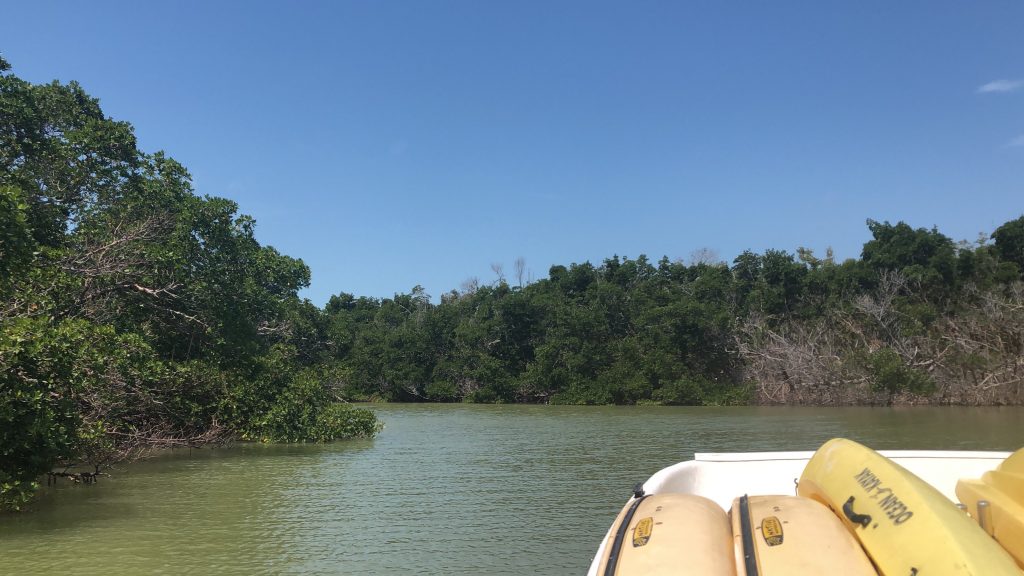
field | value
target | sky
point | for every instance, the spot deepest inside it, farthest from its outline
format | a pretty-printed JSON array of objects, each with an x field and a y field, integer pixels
[{"x": 391, "y": 144}]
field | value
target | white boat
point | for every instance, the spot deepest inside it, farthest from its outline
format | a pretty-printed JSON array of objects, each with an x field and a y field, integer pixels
[{"x": 723, "y": 477}]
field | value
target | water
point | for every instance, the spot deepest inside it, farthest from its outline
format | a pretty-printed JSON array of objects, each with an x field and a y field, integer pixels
[{"x": 453, "y": 489}]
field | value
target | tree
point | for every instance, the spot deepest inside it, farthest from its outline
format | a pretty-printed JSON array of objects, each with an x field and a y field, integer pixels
[
  {"x": 924, "y": 255},
  {"x": 520, "y": 270},
  {"x": 1009, "y": 242},
  {"x": 134, "y": 314}
]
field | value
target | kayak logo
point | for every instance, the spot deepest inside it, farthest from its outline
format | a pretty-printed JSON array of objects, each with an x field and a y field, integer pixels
[
  {"x": 894, "y": 508},
  {"x": 771, "y": 529},
  {"x": 642, "y": 532}
]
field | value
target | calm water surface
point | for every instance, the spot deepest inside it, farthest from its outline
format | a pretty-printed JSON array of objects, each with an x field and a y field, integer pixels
[{"x": 445, "y": 489}]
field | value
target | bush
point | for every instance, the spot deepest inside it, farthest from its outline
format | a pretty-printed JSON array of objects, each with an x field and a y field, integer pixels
[
  {"x": 681, "y": 392},
  {"x": 441, "y": 391},
  {"x": 305, "y": 411},
  {"x": 38, "y": 417},
  {"x": 339, "y": 420},
  {"x": 890, "y": 374},
  {"x": 699, "y": 391}
]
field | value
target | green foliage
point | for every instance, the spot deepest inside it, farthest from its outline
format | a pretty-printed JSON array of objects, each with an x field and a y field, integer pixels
[
  {"x": 340, "y": 421},
  {"x": 698, "y": 391},
  {"x": 16, "y": 244},
  {"x": 925, "y": 256},
  {"x": 135, "y": 315},
  {"x": 628, "y": 332},
  {"x": 57, "y": 146},
  {"x": 917, "y": 317},
  {"x": 1009, "y": 242},
  {"x": 38, "y": 420},
  {"x": 890, "y": 374},
  {"x": 683, "y": 392},
  {"x": 769, "y": 284},
  {"x": 304, "y": 411},
  {"x": 72, "y": 391}
]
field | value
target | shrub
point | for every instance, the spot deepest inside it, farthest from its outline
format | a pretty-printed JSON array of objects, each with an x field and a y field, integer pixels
[{"x": 890, "y": 374}]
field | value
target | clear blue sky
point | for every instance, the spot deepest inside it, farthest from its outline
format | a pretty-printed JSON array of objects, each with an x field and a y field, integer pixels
[{"x": 390, "y": 144}]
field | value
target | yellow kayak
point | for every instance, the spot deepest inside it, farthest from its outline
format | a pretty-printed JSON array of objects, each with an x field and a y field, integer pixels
[
  {"x": 1003, "y": 489},
  {"x": 1013, "y": 465},
  {"x": 907, "y": 527},
  {"x": 669, "y": 534},
  {"x": 787, "y": 535}
]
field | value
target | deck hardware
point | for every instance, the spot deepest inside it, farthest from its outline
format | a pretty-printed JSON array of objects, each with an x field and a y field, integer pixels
[{"x": 985, "y": 516}]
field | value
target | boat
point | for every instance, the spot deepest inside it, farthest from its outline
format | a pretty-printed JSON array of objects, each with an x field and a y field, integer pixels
[{"x": 787, "y": 512}]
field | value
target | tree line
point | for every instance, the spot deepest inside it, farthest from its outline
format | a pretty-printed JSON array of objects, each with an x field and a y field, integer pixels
[
  {"x": 917, "y": 319},
  {"x": 136, "y": 315}
]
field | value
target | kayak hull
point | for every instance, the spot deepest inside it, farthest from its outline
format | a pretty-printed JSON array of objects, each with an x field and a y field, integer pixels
[
  {"x": 790, "y": 535},
  {"x": 669, "y": 534}
]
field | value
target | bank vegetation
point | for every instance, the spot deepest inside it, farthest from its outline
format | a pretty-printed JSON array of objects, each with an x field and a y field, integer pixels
[
  {"x": 917, "y": 319},
  {"x": 134, "y": 314}
]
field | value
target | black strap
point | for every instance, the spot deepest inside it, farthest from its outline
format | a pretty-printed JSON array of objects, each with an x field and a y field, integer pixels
[
  {"x": 747, "y": 533},
  {"x": 620, "y": 535}
]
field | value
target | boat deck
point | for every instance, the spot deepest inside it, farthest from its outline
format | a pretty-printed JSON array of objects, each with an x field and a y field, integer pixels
[{"x": 724, "y": 476}]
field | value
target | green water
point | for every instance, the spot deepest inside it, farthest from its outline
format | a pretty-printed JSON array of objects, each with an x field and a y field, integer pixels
[{"x": 443, "y": 489}]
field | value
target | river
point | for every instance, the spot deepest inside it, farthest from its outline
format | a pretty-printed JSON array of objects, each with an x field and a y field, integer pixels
[{"x": 444, "y": 489}]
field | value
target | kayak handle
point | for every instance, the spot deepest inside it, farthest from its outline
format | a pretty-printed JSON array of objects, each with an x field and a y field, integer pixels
[{"x": 862, "y": 519}]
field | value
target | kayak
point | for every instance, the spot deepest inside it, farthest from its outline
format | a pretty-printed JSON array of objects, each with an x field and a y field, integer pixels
[
  {"x": 791, "y": 535},
  {"x": 1002, "y": 513},
  {"x": 906, "y": 526},
  {"x": 670, "y": 534}
]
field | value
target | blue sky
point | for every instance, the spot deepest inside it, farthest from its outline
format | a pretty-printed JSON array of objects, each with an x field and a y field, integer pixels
[{"x": 390, "y": 144}]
